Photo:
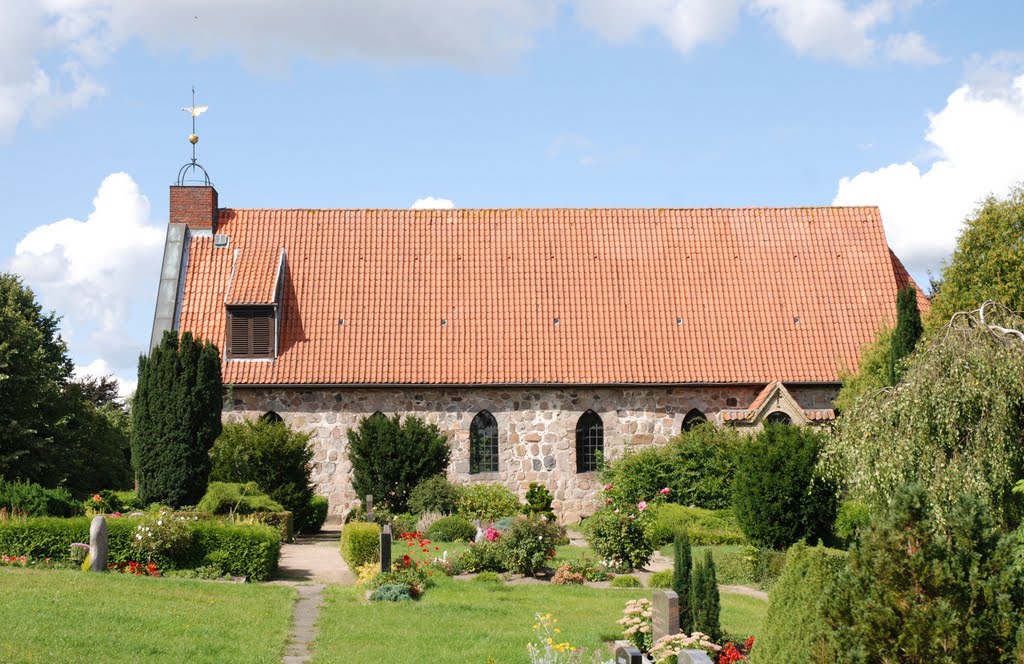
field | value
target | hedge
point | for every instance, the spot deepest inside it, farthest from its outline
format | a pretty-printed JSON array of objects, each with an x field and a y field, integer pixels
[
  {"x": 360, "y": 544},
  {"x": 252, "y": 550}
]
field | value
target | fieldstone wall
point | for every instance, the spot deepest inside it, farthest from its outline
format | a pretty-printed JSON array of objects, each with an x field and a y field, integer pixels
[{"x": 536, "y": 427}]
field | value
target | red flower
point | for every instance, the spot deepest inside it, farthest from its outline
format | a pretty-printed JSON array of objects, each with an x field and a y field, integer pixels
[{"x": 405, "y": 560}]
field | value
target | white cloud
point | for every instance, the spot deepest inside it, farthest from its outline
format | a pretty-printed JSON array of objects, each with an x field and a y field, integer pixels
[
  {"x": 979, "y": 140},
  {"x": 827, "y": 28},
  {"x": 686, "y": 23},
  {"x": 99, "y": 274},
  {"x": 910, "y": 48},
  {"x": 431, "y": 203}
]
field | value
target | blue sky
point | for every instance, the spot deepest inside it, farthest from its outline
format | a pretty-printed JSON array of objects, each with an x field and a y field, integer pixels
[{"x": 916, "y": 106}]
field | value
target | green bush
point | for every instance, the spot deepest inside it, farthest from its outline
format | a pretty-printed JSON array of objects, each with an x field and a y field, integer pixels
[
  {"x": 360, "y": 543},
  {"x": 705, "y": 527},
  {"x": 764, "y": 566},
  {"x": 705, "y": 603},
  {"x": 390, "y": 457},
  {"x": 662, "y": 579},
  {"x": 853, "y": 515},
  {"x": 482, "y": 557},
  {"x": 123, "y": 501},
  {"x": 795, "y": 629},
  {"x": 230, "y": 497},
  {"x": 489, "y": 577},
  {"x": 434, "y": 494},
  {"x": 779, "y": 498},
  {"x": 487, "y": 502},
  {"x": 529, "y": 543},
  {"x": 404, "y": 523},
  {"x": 626, "y": 581},
  {"x": 451, "y": 529},
  {"x": 251, "y": 551},
  {"x": 697, "y": 465},
  {"x": 318, "y": 506},
  {"x": 33, "y": 500},
  {"x": 392, "y": 592},
  {"x": 538, "y": 501},
  {"x": 617, "y": 539},
  {"x": 282, "y": 521},
  {"x": 276, "y": 458}
]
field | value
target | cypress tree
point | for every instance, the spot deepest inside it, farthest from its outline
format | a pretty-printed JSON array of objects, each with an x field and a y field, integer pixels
[
  {"x": 704, "y": 600},
  {"x": 681, "y": 572},
  {"x": 176, "y": 418},
  {"x": 908, "y": 330}
]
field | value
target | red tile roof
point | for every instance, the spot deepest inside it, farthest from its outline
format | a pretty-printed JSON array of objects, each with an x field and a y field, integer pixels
[{"x": 560, "y": 296}]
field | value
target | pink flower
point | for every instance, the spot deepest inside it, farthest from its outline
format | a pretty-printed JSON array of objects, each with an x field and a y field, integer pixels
[
  {"x": 642, "y": 505},
  {"x": 665, "y": 491},
  {"x": 616, "y": 510},
  {"x": 607, "y": 487}
]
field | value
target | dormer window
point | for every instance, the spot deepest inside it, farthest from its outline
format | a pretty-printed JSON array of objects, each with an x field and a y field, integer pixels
[{"x": 251, "y": 333}]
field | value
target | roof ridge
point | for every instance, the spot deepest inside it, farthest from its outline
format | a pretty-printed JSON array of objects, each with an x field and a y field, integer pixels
[{"x": 543, "y": 208}]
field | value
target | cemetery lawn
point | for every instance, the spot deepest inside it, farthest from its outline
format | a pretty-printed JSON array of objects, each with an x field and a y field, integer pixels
[
  {"x": 472, "y": 621},
  {"x": 70, "y": 616}
]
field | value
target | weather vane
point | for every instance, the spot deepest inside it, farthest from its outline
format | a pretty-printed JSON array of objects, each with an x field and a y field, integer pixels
[{"x": 195, "y": 112}]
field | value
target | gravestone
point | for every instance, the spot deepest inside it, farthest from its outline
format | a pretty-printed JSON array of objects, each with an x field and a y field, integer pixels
[
  {"x": 99, "y": 544},
  {"x": 693, "y": 657},
  {"x": 369, "y": 508},
  {"x": 665, "y": 614},
  {"x": 627, "y": 654},
  {"x": 385, "y": 548}
]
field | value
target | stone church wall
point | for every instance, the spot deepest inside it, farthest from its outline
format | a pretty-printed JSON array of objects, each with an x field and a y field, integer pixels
[{"x": 536, "y": 427}]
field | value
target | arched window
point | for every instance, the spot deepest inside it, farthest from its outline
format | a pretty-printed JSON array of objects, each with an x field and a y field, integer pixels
[
  {"x": 483, "y": 444},
  {"x": 692, "y": 419},
  {"x": 589, "y": 442},
  {"x": 270, "y": 417},
  {"x": 778, "y": 417}
]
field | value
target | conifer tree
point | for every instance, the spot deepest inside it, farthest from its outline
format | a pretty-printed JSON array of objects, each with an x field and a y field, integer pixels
[
  {"x": 176, "y": 419},
  {"x": 681, "y": 573},
  {"x": 705, "y": 604},
  {"x": 908, "y": 331}
]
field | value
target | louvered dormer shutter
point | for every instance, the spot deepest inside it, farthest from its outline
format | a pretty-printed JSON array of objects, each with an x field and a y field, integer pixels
[{"x": 250, "y": 333}]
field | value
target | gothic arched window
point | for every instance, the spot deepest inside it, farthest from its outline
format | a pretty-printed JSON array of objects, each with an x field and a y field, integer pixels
[
  {"x": 589, "y": 442},
  {"x": 483, "y": 444},
  {"x": 692, "y": 419}
]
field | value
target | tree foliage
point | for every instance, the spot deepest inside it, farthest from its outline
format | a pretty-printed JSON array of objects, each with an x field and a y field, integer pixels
[
  {"x": 917, "y": 590},
  {"x": 34, "y": 368},
  {"x": 873, "y": 373},
  {"x": 778, "y": 496},
  {"x": 955, "y": 422},
  {"x": 988, "y": 262},
  {"x": 682, "y": 569},
  {"x": 390, "y": 457},
  {"x": 907, "y": 332},
  {"x": 705, "y": 603},
  {"x": 273, "y": 456},
  {"x": 176, "y": 419}
]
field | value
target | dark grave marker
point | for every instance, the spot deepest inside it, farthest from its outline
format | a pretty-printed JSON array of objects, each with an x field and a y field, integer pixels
[
  {"x": 628, "y": 655},
  {"x": 385, "y": 548}
]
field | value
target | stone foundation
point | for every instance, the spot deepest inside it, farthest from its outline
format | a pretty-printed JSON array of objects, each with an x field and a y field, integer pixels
[{"x": 536, "y": 427}]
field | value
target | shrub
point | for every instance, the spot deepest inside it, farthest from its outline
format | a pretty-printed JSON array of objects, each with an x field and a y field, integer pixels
[
  {"x": 626, "y": 581},
  {"x": 451, "y": 529},
  {"x": 565, "y": 576},
  {"x": 778, "y": 497},
  {"x": 662, "y": 579},
  {"x": 31, "y": 499},
  {"x": 251, "y": 551},
  {"x": 392, "y": 592},
  {"x": 852, "y": 516},
  {"x": 413, "y": 576},
  {"x": 426, "y": 520},
  {"x": 434, "y": 494},
  {"x": 682, "y": 574},
  {"x": 705, "y": 604},
  {"x": 795, "y": 628},
  {"x": 697, "y": 465},
  {"x": 229, "y": 497},
  {"x": 273, "y": 456},
  {"x": 764, "y": 566},
  {"x": 920, "y": 589},
  {"x": 482, "y": 557},
  {"x": 123, "y": 501},
  {"x": 529, "y": 544},
  {"x": 282, "y": 521},
  {"x": 538, "y": 501},
  {"x": 406, "y": 523},
  {"x": 390, "y": 457},
  {"x": 161, "y": 535},
  {"x": 487, "y": 502},
  {"x": 619, "y": 540},
  {"x": 705, "y": 527},
  {"x": 489, "y": 577},
  {"x": 360, "y": 543},
  {"x": 318, "y": 505}
]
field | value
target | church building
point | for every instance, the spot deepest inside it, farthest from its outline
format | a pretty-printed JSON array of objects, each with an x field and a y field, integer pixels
[{"x": 538, "y": 340}]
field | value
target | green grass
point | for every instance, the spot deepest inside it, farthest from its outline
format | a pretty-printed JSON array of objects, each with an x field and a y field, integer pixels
[
  {"x": 465, "y": 621},
  {"x": 70, "y": 616}
]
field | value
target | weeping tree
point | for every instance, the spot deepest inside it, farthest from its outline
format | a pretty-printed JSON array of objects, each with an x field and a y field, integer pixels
[{"x": 954, "y": 423}]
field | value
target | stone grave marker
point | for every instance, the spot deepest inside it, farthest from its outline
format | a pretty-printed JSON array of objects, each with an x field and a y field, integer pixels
[
  {"x": 627, "y": 654},
  {"x": 693, "y": 657},
  {"x": 99, "y": 544},
  {"x": 665, "y": 614},
  {"x": 385, "y": 548}
]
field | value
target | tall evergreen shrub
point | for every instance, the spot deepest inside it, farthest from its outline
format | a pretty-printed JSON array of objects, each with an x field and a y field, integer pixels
[
  {"x": 705, "y": 604},
  {"x": 176, "y": 419},
  {"x": 681, "y": 572},
  {"x": 908, "y": 331}
]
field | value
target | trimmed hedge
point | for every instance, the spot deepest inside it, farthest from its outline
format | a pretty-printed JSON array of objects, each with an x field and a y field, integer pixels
[
  {"x": 282, "y": 521},
  {"x": 252, "y": 550},
  {"x": 318, "y": 506},
  {"x": 705, "y": 527},
  {"x": 360, "y": 544},
  {"x": 237, "y": 498},
  {"x": 451, "y": 529}
]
